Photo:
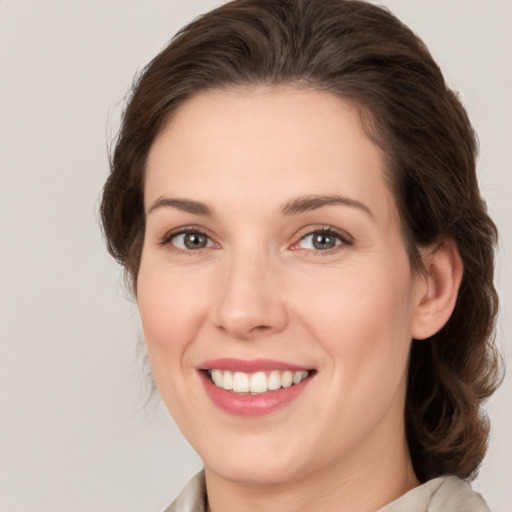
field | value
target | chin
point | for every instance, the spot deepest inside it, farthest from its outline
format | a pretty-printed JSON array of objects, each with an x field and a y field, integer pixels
[
  {"x": 255, "y": 464},
  {"x": 249, "y": 473}
]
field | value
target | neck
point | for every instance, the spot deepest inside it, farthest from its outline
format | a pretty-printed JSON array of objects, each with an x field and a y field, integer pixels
[{"x": 362, "y": 482}]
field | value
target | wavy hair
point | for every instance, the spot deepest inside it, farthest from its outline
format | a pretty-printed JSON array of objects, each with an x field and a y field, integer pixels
[{"x": 364, "y": 55}]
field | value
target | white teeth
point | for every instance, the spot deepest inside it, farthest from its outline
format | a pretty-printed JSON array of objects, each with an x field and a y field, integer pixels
[
  {"x": 227, "y": 380},
  {"x": 259, "y": 382},
  {"x": 217, "y": 377},
  {"x": 287, "y": 379},
  {"x": 299, "y": 376},
  {"x": 240, "y": 382},
  {"x": 274, "y": 381}
]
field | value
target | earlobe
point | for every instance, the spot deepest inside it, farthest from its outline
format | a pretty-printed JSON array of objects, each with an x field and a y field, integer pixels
[{"x": 441, "y": 281}]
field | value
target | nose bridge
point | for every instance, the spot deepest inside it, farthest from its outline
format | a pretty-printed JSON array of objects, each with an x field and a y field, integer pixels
[{"x": 250, "y": 302}]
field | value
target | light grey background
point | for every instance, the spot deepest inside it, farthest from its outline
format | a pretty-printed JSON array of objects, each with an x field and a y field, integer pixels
[{"x": 74, "y": 433}]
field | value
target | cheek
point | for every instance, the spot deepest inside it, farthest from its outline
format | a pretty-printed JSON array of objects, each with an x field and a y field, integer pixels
[
  {"x": 171, "y": 313},
  {"x": 171, "y": 307},
  {"x": 363, "y": 320},
  {"x": 364, "y": 329}
]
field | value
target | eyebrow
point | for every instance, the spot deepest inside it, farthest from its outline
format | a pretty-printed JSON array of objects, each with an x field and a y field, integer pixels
[
  {"x": 185, "y": 205},
  {"x": 313, "y": 202},
  {"x": 296, "y": 206}
]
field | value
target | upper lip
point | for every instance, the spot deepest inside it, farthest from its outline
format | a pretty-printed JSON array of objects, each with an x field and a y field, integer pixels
[{"x": 250, "y": 366}]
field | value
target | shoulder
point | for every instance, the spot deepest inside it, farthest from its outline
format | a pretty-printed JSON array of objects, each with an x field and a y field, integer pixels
[
  {"x": 456, "y": 494},
  {"x": 443, "y": 494},
  {"x": 192, "y": 497}
]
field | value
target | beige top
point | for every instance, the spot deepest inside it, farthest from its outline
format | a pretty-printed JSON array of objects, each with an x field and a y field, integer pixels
[{"x": 443, "y": 494}]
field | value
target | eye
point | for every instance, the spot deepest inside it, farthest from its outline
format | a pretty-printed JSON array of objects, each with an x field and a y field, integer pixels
[
  {"x": 323, "y": 240},
  {"x": 189, "y": 240}
]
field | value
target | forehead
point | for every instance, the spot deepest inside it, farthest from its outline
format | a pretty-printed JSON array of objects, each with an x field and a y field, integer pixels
[{"x": 254, "y": 144}]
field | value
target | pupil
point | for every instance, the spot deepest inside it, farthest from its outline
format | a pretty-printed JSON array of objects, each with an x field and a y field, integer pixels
[
  {"x": 323, "y": 241},
  {"x": 195, "y": 241}
]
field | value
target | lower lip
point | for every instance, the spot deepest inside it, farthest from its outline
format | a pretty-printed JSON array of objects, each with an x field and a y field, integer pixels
[{"x": 251, "y": 405}]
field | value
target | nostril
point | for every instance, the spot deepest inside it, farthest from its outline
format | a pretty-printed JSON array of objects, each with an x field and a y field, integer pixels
[
  {"x": 261, "y": 328},
  {"x": 251, "y": 332}
]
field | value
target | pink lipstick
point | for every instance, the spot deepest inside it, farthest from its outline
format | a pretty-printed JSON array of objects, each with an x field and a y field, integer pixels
[{"x": 253, "y": 388}]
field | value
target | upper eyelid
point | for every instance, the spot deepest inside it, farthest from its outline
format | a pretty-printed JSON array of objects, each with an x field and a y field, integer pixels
[
  {"x": 341, "y": 233},
  {"x": 186, "y": 229},
  {"x": 345, "y": 237}
]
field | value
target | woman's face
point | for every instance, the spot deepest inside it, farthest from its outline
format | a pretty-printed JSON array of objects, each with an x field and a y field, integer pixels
[{"x": 273, "y": 253}]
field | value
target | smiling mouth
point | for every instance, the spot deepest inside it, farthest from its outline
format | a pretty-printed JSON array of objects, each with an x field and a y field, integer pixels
[
  {"x": 258, "y": 382},
  {"x": 253, "y": 388}
]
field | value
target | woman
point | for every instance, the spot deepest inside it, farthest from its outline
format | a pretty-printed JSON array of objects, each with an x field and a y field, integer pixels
[{"x": 293, "y": 195}]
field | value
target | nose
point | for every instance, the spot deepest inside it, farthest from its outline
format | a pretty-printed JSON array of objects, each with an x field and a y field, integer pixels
[{"x": 251, "y": 299}]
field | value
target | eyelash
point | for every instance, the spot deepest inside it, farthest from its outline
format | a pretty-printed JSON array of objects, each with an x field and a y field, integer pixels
[
  {"x": 344, "y": 240},
  {"x": 168, "y": 238}
]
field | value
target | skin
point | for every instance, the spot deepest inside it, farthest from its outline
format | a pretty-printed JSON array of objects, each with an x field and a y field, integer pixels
[{"x": 260, "y": 289}]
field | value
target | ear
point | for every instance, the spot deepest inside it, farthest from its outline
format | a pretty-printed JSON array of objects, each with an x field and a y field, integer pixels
[{"x": 438, "y": 291}]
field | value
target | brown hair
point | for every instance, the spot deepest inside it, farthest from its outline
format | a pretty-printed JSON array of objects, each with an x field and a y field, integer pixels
[{"x": 360, "y": 53}]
